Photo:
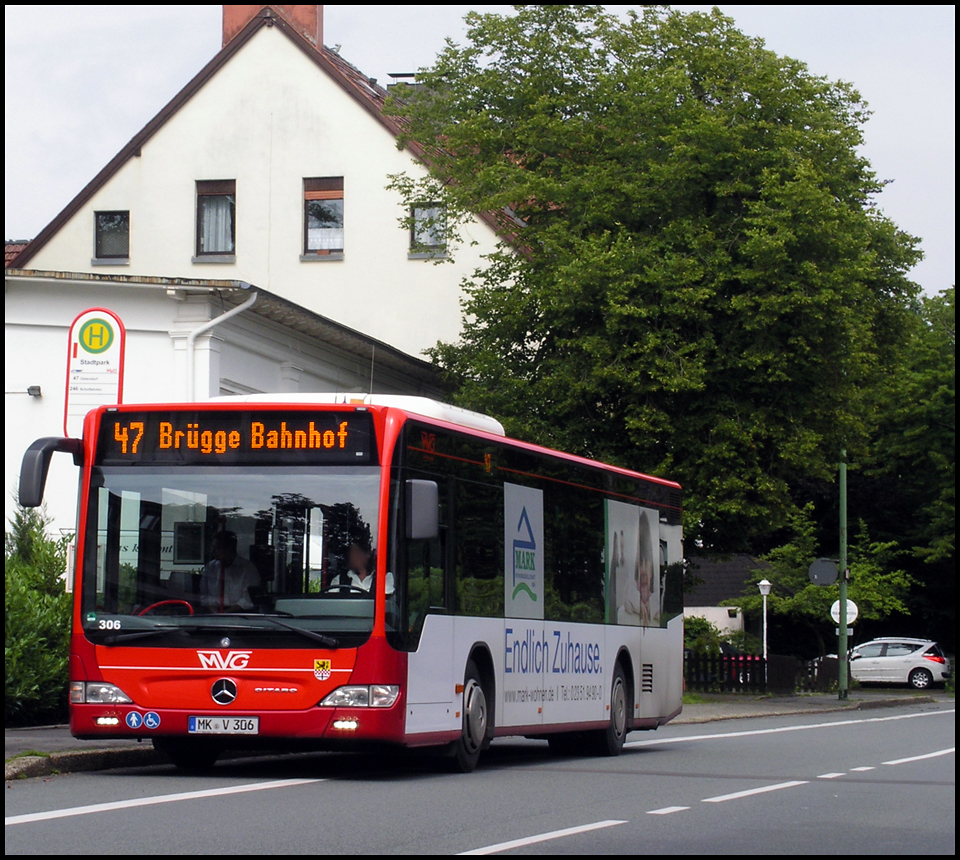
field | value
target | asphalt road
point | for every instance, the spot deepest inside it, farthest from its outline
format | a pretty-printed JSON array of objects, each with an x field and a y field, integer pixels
[{"x": 868, "y": 782}]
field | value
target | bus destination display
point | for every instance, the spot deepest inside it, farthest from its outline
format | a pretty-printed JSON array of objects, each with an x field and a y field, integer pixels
[{"x": 236, "y": 437}]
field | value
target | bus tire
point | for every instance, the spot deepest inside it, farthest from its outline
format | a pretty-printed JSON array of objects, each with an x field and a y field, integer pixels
[
  {"x": 473, "y": 733},
  {"x": 609, "y": 741},
  {"x": 187, "y": 753}
]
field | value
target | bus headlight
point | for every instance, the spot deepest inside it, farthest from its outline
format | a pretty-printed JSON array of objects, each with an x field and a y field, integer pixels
[
  {"x": 372, "y": 696},
  {"x": 97, "y": 693},
  {"x": 383, "y": 695}
]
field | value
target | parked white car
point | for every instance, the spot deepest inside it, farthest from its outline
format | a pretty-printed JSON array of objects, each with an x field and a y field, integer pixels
[{"x": 897, "y": 660}]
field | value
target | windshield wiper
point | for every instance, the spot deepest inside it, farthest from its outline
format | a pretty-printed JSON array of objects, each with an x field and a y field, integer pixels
[
  {"x": 131, "y": 635},
  {"x": 328, "y": 641}
]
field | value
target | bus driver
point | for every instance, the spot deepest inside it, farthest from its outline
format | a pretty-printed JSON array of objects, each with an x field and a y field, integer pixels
[
  {"x": 229, "y": 593},
  {"x": 360, "y": 570}
]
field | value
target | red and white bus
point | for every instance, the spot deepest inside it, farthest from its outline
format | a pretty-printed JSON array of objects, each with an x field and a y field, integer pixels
[{"x": 347, "y": 571}]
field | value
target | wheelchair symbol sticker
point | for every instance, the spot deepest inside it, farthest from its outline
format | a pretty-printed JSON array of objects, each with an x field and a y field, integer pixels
[{"x": 151, "y": 720}]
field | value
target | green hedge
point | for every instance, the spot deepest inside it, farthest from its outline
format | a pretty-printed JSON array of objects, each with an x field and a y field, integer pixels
[{"x": 36, "y": 622}]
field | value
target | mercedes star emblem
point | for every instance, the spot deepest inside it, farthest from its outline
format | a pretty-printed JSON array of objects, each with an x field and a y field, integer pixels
[{"x": 223, "y": 691}]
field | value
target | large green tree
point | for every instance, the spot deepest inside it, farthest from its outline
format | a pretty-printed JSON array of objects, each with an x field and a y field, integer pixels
[
  {"x": 694, "y": 281},
  {"x": 906, "y": 484},
  {"x": 913, "y": 454}
]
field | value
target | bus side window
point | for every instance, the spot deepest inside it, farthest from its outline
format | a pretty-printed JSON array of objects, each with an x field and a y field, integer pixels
[{"x": 479, "y": 549}]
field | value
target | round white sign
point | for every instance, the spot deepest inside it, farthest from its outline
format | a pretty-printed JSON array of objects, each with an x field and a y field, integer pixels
[{"x": 852, "y": 612}]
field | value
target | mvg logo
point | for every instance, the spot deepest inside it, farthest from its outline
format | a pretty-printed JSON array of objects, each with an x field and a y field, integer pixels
[{"x": 232, "y": 660}]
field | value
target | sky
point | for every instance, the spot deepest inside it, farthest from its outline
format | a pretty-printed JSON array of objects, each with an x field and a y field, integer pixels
[{"x": 82, "y": 80}]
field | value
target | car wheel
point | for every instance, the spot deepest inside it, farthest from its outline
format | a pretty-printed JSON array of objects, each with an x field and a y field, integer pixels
[{"x": 920, "y": 679}]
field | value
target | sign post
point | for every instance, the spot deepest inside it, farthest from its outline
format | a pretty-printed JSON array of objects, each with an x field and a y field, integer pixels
[
  {"x": 842, "y": 620},
  {"x": 95, "y": 354}
]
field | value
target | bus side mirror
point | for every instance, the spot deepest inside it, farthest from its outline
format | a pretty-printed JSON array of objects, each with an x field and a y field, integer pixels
[
  {"x": 36, "y": 464},
  {"x": 423, "y": 510}
]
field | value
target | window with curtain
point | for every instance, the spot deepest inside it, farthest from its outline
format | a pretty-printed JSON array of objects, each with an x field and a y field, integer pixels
[
  {"x": 112, "y": 235},
  {"x": 216, "y": 217},
  {"x": 429, "y": 229},
  {"x": 323, "y": 215}
]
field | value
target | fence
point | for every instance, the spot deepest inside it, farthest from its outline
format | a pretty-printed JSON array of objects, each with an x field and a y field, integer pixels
[{"x": 746, "y": 673}]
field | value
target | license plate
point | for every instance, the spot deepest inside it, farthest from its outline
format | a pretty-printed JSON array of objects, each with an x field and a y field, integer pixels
[{"x": 224, "y": 725}]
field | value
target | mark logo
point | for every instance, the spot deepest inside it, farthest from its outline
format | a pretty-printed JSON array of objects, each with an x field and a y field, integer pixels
[
  {"x": 525, "y": 558},
  {"x": 523, "y": 551},
  {"x": 321, "y": 669},
  {"x": 230, "y": 660}
]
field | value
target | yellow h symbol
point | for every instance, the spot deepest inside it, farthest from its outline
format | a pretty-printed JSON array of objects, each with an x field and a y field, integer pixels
[{"x": 96, "y": 335}]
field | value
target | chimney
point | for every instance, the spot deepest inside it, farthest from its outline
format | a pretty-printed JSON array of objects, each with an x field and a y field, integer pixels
[{"x": 306, "y": 20}]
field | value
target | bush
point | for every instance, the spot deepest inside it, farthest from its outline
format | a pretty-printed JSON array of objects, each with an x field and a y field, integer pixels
[
  {"x": 36, "y": 622},
  {"x": 701, "y": 636},
  {"x": 745, "y": 643}
]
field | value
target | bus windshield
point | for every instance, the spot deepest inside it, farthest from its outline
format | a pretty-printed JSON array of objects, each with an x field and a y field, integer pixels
[{"x": 278, "y": 555}]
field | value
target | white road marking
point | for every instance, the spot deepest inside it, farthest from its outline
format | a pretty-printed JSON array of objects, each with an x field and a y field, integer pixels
[
  {"x": 751, "y": 791},
  {"x": 542, "y": 837},
  {"x": 754, "y": 732},
  {"x": 668, "y": 810},
  {"x": 921, "y": 757},
  {"x": 149, "y": 801},
  {"x": 861, "y": 769},
  {"x": 829, "y": 775}
]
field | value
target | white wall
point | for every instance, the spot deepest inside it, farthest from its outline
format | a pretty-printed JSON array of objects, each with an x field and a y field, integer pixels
[
  {"x": 718, "y": 616},
  {"x": 256, "y": 354},
  {"x": 268, "y": 119}
]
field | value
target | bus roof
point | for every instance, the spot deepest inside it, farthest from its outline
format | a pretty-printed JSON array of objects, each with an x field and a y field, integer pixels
[
  {"x": 433, "y": 410},
  {"x": 424, "y": 406}
]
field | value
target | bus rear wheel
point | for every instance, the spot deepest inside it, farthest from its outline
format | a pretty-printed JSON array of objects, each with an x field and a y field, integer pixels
[
  {"x": 465, "y": 752},
  {"x": 609, "y": 741}
]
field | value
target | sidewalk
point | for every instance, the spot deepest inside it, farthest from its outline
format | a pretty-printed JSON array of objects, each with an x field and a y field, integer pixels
[{"x": 42, "y": 750}]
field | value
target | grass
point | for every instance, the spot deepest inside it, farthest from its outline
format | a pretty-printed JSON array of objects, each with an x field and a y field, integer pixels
[
  {"x": 27, "y": 753},
  {"x": 693, "y": 699}
]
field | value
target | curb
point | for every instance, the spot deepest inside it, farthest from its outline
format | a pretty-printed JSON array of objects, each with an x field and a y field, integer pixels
[
  {"x": 892, "y": 703},
  {"x": 864, "y": 705},
  {"x": 76, "y": 761}
]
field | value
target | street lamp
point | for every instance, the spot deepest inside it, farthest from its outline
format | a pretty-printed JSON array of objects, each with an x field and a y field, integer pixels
[{"x": 765, "y": 585}]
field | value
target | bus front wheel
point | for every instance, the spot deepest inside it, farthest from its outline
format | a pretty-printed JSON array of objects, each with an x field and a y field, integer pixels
[{"x": 466, "y": 751}]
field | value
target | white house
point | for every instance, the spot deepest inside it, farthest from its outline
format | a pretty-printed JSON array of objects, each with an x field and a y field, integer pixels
[
  {"x": 270, "y": 167},
  {"x": 266, "y": 174}
]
